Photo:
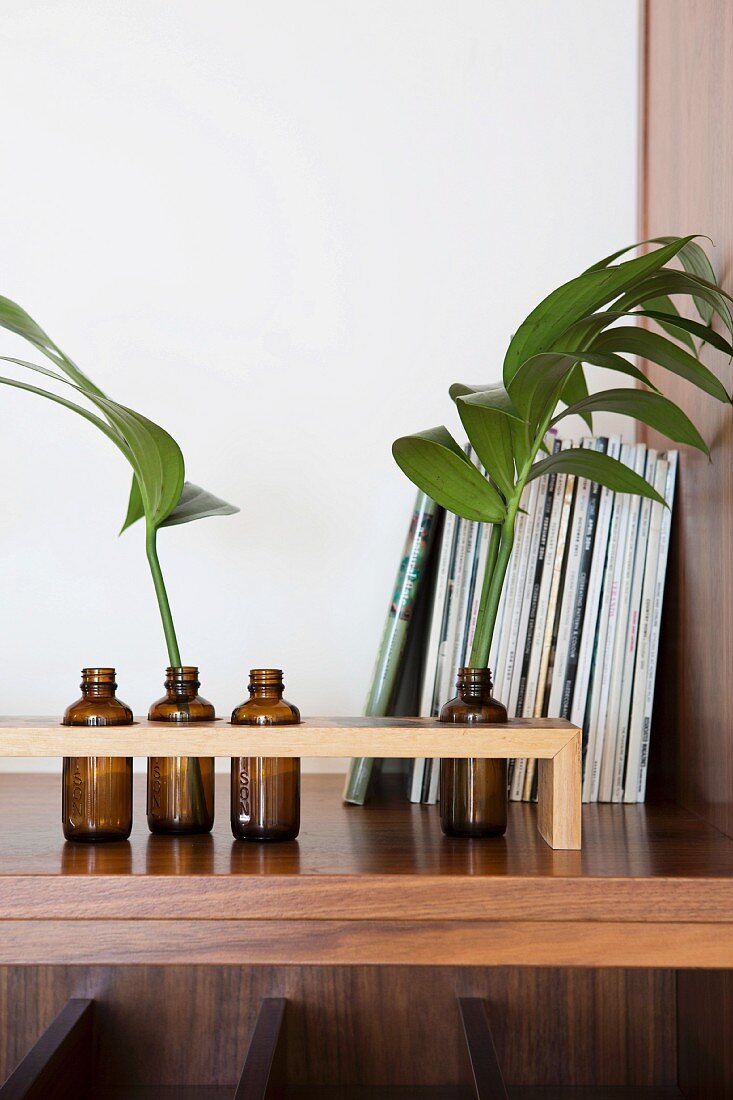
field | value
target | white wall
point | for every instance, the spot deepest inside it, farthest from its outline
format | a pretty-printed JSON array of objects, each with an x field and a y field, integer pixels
[{"x": 281, "y": 229}]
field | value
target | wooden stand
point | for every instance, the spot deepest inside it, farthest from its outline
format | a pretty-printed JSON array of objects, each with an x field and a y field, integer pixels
[{"x": 555, "y": 743}]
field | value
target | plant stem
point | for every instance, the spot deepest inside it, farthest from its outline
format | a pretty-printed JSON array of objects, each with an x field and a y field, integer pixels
[
  {"x": 171, "y": 642},
  {"x": 493, "y": 583},
  {"x": 497, "y": 561}
]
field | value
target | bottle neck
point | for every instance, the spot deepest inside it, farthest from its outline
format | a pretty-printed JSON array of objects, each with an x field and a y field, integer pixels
[
  {"x": 266, "y": 683},
  {"x": 474, "y": 684},
  {"x": 182, "y": 683},
  {"x": 98, "y": 683}
]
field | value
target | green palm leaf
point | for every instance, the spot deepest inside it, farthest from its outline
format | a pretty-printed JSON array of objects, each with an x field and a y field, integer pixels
[
  {"x": 486, "y": 417},
  {"x": 434, "y": 462},
  {"x": 596, "y": 466},
  {"x": 650, "y": 408},
  {"x": 650, "y": 345},
  {"x": 576, "y": 299}
]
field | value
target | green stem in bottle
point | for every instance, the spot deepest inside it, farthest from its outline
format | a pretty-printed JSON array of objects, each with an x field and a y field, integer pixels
[
  {"x": 151, "y": 549},
  {"x": 496, "y": 565},
  {"x": 502, "y": 538}
]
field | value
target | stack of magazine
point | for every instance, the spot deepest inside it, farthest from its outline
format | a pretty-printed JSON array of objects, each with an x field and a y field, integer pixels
[{"x": 577, "y": 631}]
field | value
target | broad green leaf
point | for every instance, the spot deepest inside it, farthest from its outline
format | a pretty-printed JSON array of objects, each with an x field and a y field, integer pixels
[
  {"x": 15, "y": 319},
  {"x": 688, "y": 253},
  {"x": 583, "y": 333},
  {"x": 576, "y": 299},
  {"x": 153, "y": 454},
  {"x": 85, "y": 413},
  {"x": 460, "y": 389},
  {"x": 670, "y": 323},
  {"x": 650, "y": 408},
  {"x": 651, "y": 345},
  {"x": 159, "y": 462},
  {"x": 695, "y": 260},
  {"x": 103, "y": 426},
  {"x": 668, "y": 317},
  {"x": 537, "y": 385},
  {"x": 492, "y": 395},
  {"x": 434, "y": 462},
  {"x": 618, "y": 364},
  {"x": 135, "y": 505},
  {"x": 669, "y": 282},
  {"x": 632, "y": 248},
  {"x": 598, "y": 467},
  {"x": 197, "y": 503},
  {"x": 486, "y": 417}
]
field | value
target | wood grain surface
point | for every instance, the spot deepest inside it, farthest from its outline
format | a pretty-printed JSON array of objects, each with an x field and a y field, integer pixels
[
  {"x": 325, "y": 737},
  {"x": 386, "y": 861},
  {"x": 686, "y": 186},
  {"x": 347, "y": 1026},
  {"x": 373, "y": 943}
]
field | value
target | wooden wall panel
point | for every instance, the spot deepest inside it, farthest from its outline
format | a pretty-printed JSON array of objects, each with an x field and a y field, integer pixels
[
  {"x": 355, "y": 1025},
  {"x": 705, "y": 1006},
  {"x": 687, "y": 186}
]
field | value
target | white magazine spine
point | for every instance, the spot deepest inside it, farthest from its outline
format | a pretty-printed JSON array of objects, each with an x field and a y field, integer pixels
[
  {"x": 543, "y": 602},
  {"x": 608, "y": 720},
  {"x": 592, "y": 605},
  {"x": 602, "y": 669},
  {"x": 445, "y": 680},
  {"x": 639, "y": 656},
  {"x": 635, "y": 786},
  {"x": 632, "y": 633}
]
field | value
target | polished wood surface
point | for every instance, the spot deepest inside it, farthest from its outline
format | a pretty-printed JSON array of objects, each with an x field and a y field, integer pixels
[
  {"x": 347, "y": 1026},
  {"x": 321, "y": 737},
  {"x": 705, "y": 1028},
  {"x": 370, "y": 943},
  {"x": 373, "y": 884},
  {"x": 386, "y": 860},
  {"x": 686, "y": 187},
  {"x": 59, "y": 1064}
]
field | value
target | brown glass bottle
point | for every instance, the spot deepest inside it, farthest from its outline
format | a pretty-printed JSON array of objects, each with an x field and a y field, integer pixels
[
  {"x": 265, "y": 789},
  {"x": 97, "y": 790},
  {"x": 473, "y": 792},
  {"x": 181, "y": 788}
]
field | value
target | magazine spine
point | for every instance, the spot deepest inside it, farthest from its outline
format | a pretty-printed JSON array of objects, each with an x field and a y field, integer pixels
[{"x": 394, "y": 635}]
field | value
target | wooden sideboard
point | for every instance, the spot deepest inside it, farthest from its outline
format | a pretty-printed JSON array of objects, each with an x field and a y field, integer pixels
[{"x": 373, "y": 926}]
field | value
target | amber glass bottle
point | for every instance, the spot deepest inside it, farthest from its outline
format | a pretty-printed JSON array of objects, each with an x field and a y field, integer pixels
[
  {"x": 97, "y": 790},
  {"x": 181, "y": 788},
  {"x": 265, "y": 789},
  {"x": 473, "y": 792}
]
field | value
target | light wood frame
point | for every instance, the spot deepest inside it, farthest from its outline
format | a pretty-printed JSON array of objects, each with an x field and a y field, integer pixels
[{"x": 555, "y": 743}]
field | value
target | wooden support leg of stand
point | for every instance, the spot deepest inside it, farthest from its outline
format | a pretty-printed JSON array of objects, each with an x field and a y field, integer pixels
[{"x": 559, "y": 796}]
